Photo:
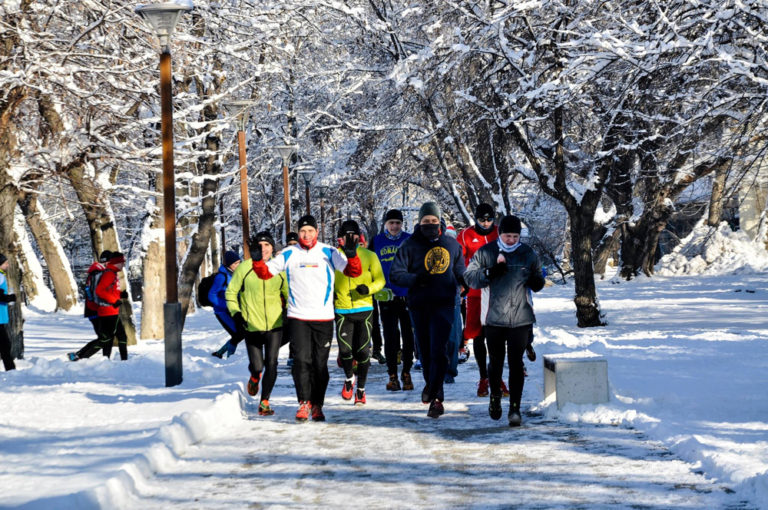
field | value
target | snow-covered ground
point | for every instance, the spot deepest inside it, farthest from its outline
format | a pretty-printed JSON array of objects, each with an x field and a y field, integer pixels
[{"x": 686, "y": 426}]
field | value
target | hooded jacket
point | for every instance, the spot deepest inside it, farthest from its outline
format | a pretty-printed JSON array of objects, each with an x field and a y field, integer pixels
[
  {"x": 108, "y": 291},
  {"x": 430, "y": 270},
  {"x": 346, "y": 298},
  {"x": 505, "y": 300},
  {"x": 261, "y": 302}
]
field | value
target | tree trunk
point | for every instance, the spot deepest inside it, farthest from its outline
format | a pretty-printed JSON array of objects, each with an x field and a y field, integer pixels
[
  {"x": 153, "y": 287},
  {"x": 47, "y": 239},
  {"x": 716, "y": 199},
  {"x": 9, "y": 248},
  {"x": 607, "y": 249},
  {"x": 587, "y": 310},
  {"x": 31, "y": 271},
  {"x": 201, "y": 239}
]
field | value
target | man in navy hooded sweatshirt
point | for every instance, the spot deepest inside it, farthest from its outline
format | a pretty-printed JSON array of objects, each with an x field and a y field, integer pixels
[{"x": 431, "y": 266}]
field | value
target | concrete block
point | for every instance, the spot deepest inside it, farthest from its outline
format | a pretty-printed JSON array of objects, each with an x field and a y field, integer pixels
[{"x": 578, "y": 378}]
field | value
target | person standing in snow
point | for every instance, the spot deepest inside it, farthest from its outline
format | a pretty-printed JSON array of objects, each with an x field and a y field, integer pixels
[
  {"x": 505, "y": 270},
  {"x": 455, "y": 338},
  {"x": 108, "y": 297},
  {"x": 310, "y": 268},
  {"x": 256, "y": 307},
  {"x": 5, "y": 298},
  {"x": 217, "y": 298},
  {"x": 393, "y": 309},
  {"x": 430, "y": 265},
  {"x": 354, "y": 308},
  {"x": 472, "y": 239}
]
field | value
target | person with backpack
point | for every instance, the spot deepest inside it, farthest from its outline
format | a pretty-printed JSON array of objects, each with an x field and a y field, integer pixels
[
  {"x": 5, "y": 298},
  {"x": 256, "y": 306},
  {"x": 91, "y": 307},
  {"x": 310, "y": 268},
  {"x": 393, "y": 310},
  {"x": 354, "y": 309},
  {"x": 430, "y": 265},
  {"x": 506, "y": 270},
  {"x": 216, "y": 297},
  {"x": 108, "y": 297}
]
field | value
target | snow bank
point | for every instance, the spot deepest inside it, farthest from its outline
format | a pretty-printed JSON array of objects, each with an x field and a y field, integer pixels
[
  {"x": 162, "y": 450},
  {"x": 714, "y": 251}
]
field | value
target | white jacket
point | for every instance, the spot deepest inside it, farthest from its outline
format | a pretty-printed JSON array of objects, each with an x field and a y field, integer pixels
[{"x": 310, "y": 277}]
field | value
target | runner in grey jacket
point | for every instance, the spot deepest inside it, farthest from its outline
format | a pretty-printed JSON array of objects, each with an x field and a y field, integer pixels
[{"x": 505, "y": 270}]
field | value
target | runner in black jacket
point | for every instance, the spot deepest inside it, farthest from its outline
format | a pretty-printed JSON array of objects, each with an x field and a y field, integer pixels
[{"x": 430, "y": 265}]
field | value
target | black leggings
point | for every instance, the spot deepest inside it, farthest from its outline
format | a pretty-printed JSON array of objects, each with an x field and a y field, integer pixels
[
  {"x": 512, "y": 341},
  {"x": 5, "y": 348},
  {"x": 108, "y": 328},
  {"x": 481, "y": 354},
  {"x": 353, "y": 333},
  {"x": 263, "y": 348},
  {"x": 311, "y": 344},
  {"x": 393, "y": 313}
]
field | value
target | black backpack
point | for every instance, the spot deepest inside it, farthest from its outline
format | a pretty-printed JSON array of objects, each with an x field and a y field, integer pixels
[{"x": 203, "y": 288}]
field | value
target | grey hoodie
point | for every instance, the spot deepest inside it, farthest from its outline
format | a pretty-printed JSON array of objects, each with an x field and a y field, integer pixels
[{"x": 505, "y": 299}]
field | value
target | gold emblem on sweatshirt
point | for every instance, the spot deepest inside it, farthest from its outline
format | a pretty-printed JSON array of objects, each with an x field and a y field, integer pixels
[{"x": 437, "y": 260}]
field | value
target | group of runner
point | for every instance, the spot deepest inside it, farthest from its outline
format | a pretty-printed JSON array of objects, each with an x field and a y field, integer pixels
[{"x": 412, "y": 283}]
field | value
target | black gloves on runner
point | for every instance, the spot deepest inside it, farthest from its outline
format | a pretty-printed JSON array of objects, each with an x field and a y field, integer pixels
[
  {"x": 124, "y": 294},
  {"x": 535, "y": 282},
  {"x": 255, "y": 249},
  {"x": 496, "y": 271},
  {"x": 464, "y": 287},
  {"x": 350, "y": 245},
  {"x": 117, "y": 303},
  {"x": 362, "y": 289},
  {"x": 6, "y": 298},
  {"x": 239, "y": 321}
]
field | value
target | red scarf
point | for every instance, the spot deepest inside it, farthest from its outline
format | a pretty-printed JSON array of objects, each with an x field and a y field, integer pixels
[{"x": 307, "y": 247}]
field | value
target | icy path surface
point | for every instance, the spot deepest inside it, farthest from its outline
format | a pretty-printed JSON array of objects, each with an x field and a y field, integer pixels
[{"x": 389, "y": 454}]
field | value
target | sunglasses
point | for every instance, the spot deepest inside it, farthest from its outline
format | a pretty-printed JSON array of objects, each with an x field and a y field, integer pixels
[{"x": 485, "y": 219}]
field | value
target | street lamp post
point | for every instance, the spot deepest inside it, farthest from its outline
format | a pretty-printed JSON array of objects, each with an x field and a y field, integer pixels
[
  {"x": 286, "y": 151},
  {"x": 307, "y": 175},
  {"x": 321, "y": 190},
  {"x": 163, "y": 18},
  {"x": 240, "y": 109}
]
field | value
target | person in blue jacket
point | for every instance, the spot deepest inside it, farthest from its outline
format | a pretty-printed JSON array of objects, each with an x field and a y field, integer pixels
[
  {"x": 5, "y": 298},
  {"x": 219, "y": 302},
  {"x": 392, "y": 307},
  {"x": 431, "y": 266}
]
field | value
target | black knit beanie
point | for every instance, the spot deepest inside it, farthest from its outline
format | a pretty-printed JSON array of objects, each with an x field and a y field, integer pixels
[
  {"x": 484, "y": 210},
  {"x": 393, "y": 214},
  {"x": 349, "y": 227},
  {"x": 3, "y": 258},
  {"x": 510, "y": 225},
  {"x": 264, "y": 236},
  {"x": 307, "y": 219},
  {"x": 105, "y": 256}
]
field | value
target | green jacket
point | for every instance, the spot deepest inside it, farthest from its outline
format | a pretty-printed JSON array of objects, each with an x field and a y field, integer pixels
[
  {"x": 261, "y": 302},
  {"x": 346, "y": 298}
]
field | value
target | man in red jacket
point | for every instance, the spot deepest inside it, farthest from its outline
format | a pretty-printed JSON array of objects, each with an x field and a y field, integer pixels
[
  {"x": 472, "y": 239},
  {"x": 108, "y": 298}
]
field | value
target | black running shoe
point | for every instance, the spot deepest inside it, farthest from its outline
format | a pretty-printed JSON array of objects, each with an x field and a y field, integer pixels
[
  {"x": 494, "y": 408},
  {"x": 435, "y": 409}
]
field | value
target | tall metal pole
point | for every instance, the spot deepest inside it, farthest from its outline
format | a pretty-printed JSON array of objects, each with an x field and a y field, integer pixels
[
  {"x": 322, "y": 219},
  {"x": 172, "y": 307},
  {"x": 306, "y": 195},
  {"x": 286, "y": 197},
  {"x": 244, "y": 193}
]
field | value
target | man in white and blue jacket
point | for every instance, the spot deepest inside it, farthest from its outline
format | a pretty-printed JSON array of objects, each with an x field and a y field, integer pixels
[{"x": 5, "y": 298}]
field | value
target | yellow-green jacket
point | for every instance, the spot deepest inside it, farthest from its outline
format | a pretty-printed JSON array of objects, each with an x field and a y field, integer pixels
[
  {"x": 261, "y": 302},
  {"x": 346, "y": 298}
]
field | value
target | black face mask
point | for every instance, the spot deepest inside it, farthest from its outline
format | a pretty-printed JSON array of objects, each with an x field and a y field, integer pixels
[{"x": 430, "y": 230}]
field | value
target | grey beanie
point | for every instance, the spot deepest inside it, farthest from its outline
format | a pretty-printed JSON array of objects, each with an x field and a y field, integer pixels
[{"x": 429, "y": 209}]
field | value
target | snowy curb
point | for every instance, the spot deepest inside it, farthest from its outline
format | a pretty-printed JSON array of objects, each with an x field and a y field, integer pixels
[{"x": 163, "y": 450}]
